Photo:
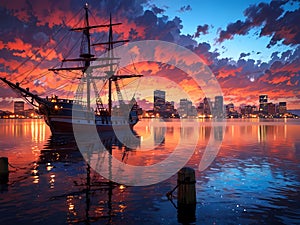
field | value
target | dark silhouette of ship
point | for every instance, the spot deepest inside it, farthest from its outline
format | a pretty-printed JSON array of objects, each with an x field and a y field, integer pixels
[{"x": 62, "y": 114}]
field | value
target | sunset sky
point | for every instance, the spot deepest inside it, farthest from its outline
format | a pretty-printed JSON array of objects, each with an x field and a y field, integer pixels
[{"x": 252, "y": 47}]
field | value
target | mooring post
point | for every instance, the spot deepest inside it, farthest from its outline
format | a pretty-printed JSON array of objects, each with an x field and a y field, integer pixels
[
  {"x": 3, "y": 170},
  {"x": 186, "y": 195}
]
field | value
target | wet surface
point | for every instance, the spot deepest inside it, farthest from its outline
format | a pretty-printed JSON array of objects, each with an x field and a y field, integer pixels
[{"x": 254, "y": 178}]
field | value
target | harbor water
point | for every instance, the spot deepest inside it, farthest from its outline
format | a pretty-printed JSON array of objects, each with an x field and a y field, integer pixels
[{"x": 247, "y": 172}]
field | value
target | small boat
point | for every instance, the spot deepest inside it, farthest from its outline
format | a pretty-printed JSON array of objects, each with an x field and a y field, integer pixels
[{"x": 62, "y": 114}]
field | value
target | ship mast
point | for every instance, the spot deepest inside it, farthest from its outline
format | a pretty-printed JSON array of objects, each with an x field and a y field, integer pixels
[
  {"x": 88, "y": 55},
  {"x": 85, "y": 55},
  {"x": 87, "y": 58},
  {"x": 110, "y": 72},
  {"x": 110, "y": 56},
  {"x": 112, "y": 77}
]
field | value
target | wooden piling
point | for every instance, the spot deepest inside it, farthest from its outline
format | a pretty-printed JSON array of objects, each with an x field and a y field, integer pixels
[
  {"x": 3, "y": 170},
  {"x": 186, "y": 195},
  {"x": 186, "y": 186},
  {"x": 3, "y": 165}
]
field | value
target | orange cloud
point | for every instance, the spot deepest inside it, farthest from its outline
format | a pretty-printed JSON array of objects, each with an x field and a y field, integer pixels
[
  {"x": 224, "y": 72},
  {"x": 25, "y": 50}
]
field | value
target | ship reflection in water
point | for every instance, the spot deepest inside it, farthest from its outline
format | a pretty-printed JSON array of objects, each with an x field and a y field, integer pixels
[{"x": 254, "y": 178}]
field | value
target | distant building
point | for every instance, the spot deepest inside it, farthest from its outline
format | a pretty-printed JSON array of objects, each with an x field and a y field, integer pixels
[
  {"x": 219, "y": 107},
  {"x": 184, "y": 105},
  {"x": 282, "y": 108},
  {"x": 229, "y": 108},
  {"x": 169, "y": 107},
  {"x": 271, "y": 109},
  {"x": 230, "y": 111},
  {"x": 200, "y": 109},
  {"x": 19, "y": 108},
  {"x": 31, "y": 113},
  {"x": 207, "y": 106},
  {"x": 263, "y": 104},
  {"x": 193, "y": 111},
  {"x": 5, "y": 114},
  {"x": 248, "y": 110},
  {"x": 186, "y": 108},
  {"x": 159, "y": 101}
]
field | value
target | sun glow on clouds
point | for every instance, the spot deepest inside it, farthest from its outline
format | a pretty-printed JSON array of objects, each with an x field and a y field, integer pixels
[
  {"x": 278, "y": 76},
  {"x": 161, "y": 77}
]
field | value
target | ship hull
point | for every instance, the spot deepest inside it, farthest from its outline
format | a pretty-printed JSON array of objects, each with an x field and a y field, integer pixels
[
  {"x": 64, "y": 117},
  {"x": 66, "y": 125}
]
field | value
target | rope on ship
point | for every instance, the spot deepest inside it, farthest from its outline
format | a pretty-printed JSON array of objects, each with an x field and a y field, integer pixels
[{"x": 35, "y": 53}]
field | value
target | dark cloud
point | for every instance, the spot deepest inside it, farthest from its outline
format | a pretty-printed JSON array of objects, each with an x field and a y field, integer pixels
[
  {"x": 185, "y": 8},
  {"x": 129, "y": 9},
  {"x": 41, "y": 38},
  {"x": 157, "y": 10},
  {"x": 242, "y": 55},
  {"x": 158, "y": 28},
  {"x": 203, "y": 50},
  {"x": 287, "y": 29},
  {"x": 239, "y": 27},
  {"x": 272, "y": 20},
  {"x": 201, "y": 29},
  {"x": 283, "y": 71},
  {"x": 161, "y": 28},
  {"x": 186, "y": 41}
]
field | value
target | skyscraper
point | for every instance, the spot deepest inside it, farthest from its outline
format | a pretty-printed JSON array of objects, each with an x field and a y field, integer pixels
[
  {"x": 186, "y": 108},
  {"x": 207, "y": 106},
  {"x": 19, "y": 107},
  {"x": 219, "y": 107},
  {"x": 263, "y": 104},
  {"x": 271, "y": 109},
  {"x": 159, "y": 100},
  {"x": 282, "y": 108}
]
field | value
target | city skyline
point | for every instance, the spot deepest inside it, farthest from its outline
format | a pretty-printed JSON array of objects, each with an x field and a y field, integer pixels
[
  {"x": 216, "y": 109},
  {"x": 163, "y": 99}
]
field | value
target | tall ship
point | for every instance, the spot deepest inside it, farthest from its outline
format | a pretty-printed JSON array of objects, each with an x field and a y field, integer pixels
[{"x": 87, "y": 109}]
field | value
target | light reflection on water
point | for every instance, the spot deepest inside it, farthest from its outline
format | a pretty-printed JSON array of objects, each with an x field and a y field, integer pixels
[{"x": 255, "y": 178}]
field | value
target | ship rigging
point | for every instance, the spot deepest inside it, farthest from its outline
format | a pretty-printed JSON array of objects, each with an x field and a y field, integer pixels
[{"x": 60, "y": 114}]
